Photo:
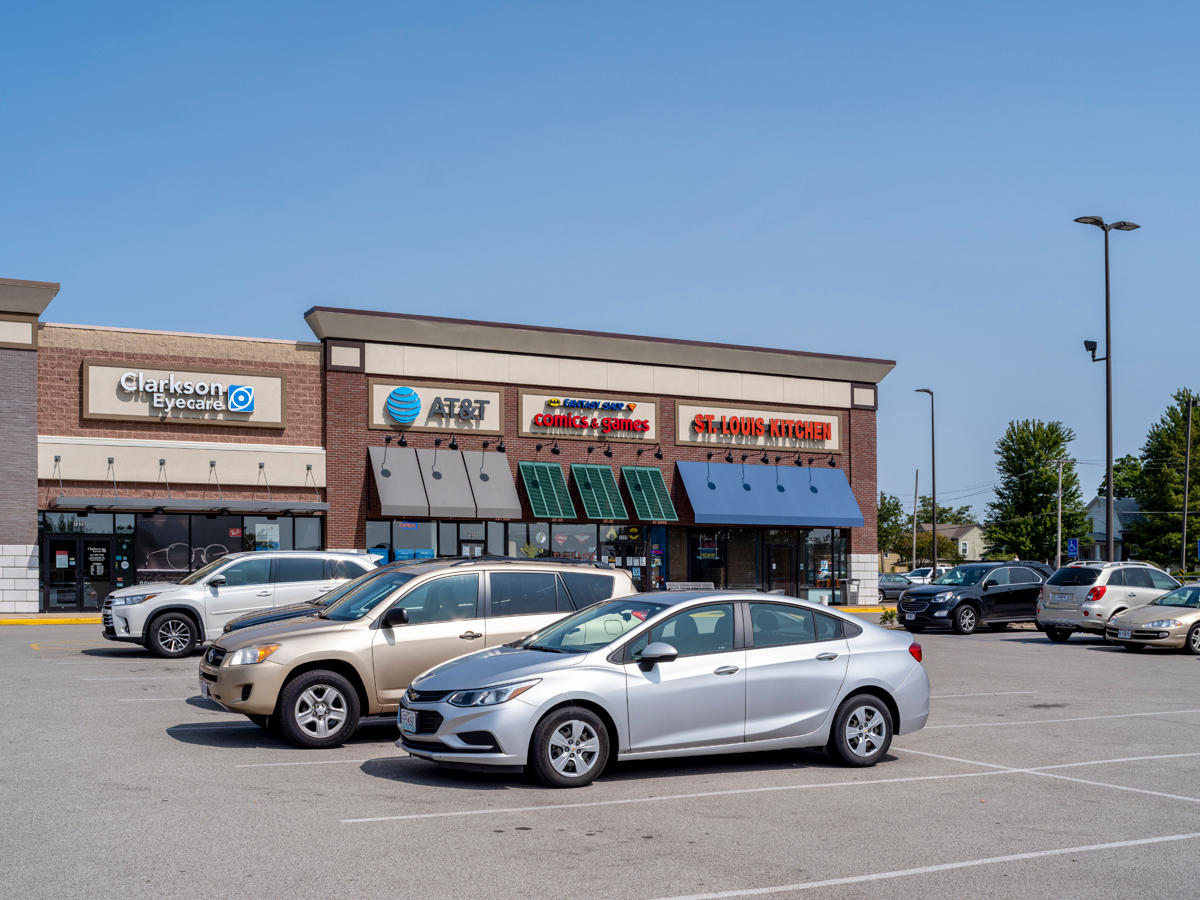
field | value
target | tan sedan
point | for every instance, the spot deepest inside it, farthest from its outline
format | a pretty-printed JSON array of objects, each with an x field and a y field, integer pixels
[{"x": 1173, "y": 620}]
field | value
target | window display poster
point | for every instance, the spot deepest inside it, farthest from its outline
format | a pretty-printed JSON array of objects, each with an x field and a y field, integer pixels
[
  {"x": 266, "y": 536},
  {"x": 824, "y": 569}
]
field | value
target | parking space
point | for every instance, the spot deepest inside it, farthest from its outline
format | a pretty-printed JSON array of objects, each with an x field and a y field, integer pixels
[{"x": 1043, "y": 767}]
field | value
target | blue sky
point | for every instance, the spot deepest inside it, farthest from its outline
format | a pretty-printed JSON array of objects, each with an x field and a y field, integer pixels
[{"x": 876, "y": 179}]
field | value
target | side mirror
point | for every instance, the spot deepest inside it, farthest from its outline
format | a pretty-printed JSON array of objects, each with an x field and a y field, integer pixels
[
  {"x": 216, "y": 581},
  {"x": 656, "y": 653},
  {"x": 985, "y": 585},
  {"x": 397, "y": 615}
]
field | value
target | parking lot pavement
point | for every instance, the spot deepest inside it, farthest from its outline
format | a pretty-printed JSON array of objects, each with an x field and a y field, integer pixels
[{"x": 1044, "y": 767}]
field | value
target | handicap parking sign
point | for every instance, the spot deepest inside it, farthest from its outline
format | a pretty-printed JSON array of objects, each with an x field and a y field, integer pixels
[{"x": 1073, "y": 548}]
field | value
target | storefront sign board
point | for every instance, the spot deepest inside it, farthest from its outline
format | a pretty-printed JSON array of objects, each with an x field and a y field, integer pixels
[
  {"x": 413, "y": 406},
  {"x": 758, "y": 427},
  {"x": 592, "y": 417}
]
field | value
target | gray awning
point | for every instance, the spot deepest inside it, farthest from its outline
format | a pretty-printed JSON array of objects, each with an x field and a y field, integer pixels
[
  {"x": 398, "y": 480},
  {"x": 492, "y": 484},
  {"x": 185, "y": 504},
  {"x": 446, "y": 484}
]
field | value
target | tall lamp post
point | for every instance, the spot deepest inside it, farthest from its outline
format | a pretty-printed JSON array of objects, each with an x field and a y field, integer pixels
[
  {"x": 1107, "y": 359},
  {"x": 933, "y": 478},
  {"x": 1187, "y": 477}
]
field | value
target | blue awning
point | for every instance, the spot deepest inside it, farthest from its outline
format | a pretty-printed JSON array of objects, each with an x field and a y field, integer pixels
[{"x": 739, "y": 494}]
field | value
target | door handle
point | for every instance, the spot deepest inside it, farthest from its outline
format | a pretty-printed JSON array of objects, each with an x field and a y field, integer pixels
[
  {"x": 263, "y": 594},
  {"x": 825, "y": 657},
  {"x": 725, "y": 670},
  {"x": 470, "y": 635},
  {"x": 324, "y": 590},
  {"x": 1132, "y": 594}
]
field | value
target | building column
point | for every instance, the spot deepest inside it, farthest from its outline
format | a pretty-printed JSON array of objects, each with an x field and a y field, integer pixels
[{"x": 21, "y": 303}]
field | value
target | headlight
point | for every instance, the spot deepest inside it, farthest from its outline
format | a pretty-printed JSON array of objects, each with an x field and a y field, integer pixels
[
  {"x": 1163, "y": 623},
  {"x": 944, "y": 595},
  {"x": 249, "y": 656},
  {"x": 131, "y": 599},
  {"x": 490, "y": 696}
]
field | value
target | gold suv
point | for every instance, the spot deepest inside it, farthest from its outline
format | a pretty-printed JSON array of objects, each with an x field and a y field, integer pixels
[{"x": 311, "y": 679}]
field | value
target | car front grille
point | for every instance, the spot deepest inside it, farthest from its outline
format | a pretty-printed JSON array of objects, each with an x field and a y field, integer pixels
[
  {"x": 1138, "y": 634},
  {"x": 416, "y": 696},
  {"x": 214, "y": 656},
  {"x": 106, "y": 613},
  {"x": 914, "y": 605},
  {"x": 428, "y": 721}
]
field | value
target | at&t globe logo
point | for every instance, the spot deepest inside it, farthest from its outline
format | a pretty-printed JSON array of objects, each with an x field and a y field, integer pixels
[{"x": 403, "y": 405}]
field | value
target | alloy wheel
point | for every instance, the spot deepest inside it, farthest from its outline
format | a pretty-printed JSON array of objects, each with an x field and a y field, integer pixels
[
  {"x": 573, "y": 749},
  {"x": 866, "y": 731},
  {"x": 1194, "y": 639},
  {"x": 321, "y": 710},
  {"x": 966, "y": 619},
  {"x": 174, "y": 635}
]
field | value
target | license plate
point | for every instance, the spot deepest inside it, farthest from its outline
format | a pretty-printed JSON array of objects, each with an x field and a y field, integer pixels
[
  {"x": 1062, "y": 598},
  {"x": 908, "y": 617},
  {"x": 203, "y": 688},
  {"x": 408, "y": 720},
  {"x": 1124, "y": 634}
]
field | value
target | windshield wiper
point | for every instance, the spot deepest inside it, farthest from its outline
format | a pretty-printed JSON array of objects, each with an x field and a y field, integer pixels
[{"x": 544, "y": 648}]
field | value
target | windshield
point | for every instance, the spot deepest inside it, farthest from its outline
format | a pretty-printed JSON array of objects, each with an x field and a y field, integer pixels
[
  {"x": 1074, "y": 576},
  {"x": 919, "y": 573},
  {"x": 346, "y": 588},
  {"x": 1184, "y": 596},
  {"x": 366, "y": 595},
  {"x": 961, "y": 575},
  {"x": 203, "y": 572},
  {"x": 594, "y": 627}
]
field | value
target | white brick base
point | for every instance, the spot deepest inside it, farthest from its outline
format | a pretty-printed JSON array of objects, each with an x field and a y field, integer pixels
[
  {"x": 865, "y": 568},
  {"x": 19, "y": 578}
]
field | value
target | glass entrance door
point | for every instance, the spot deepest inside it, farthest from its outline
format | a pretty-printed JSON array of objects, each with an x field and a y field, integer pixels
[
  {"x": 79, "y": 571},
  {"x": 781, "y": 572}
]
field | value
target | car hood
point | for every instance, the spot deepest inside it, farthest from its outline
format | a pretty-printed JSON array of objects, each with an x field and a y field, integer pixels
[
  {"x": 153, "y": 587},
  {"x": 930, "y": 590},
  {"x": 1143, "y": 614},
  {"x": 274, "y": 614},
  {"x": 278, "y": 631},
  {"x": 495, "y": 666}
]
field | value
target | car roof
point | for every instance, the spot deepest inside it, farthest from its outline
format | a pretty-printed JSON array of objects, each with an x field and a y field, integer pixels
[
  {"x": 441, "y": 563},
  {"x": 674, "y": 599}
]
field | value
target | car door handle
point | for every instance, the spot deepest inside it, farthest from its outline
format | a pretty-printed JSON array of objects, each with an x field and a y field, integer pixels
[
  {"x": 323, "y": 590},
  {"x": 1132, "y": 594},
  {"x": 825, "y": 657},
  {"x": 470, "y": 635},
  {"x": 263, "y": 594},
  {"x": 725, "y": 670}
]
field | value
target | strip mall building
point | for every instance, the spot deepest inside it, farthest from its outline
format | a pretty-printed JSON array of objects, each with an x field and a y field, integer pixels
[{"x": 136, "y": 455}]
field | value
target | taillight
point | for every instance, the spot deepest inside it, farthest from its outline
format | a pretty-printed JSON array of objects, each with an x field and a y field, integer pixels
[
  {"x": 915, "y": 649},
  {"x": 1095, "y": 594}
]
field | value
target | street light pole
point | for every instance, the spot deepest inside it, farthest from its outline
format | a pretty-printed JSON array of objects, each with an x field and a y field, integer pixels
[
  {"x": 1187, "y": 477},
  {"x": 1108, "y": 425},
  {"x": 933, "y": 480},
  {"x": 1058, "y": 541}
]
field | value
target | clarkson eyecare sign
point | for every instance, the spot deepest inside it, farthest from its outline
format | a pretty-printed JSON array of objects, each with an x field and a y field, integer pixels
[{"x": 755, "y": 427}]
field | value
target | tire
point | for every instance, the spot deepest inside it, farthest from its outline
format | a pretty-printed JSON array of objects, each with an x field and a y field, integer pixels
[
  {"x": 318, "y": 709},
  {"x": 1136, "y": 648},
  {"x": 569, "y": 748},
  {"x": 862, "y": 731},
  {"x": 997, "y": 626},
  {"x": 966, "y": 619},
  {"x": 1058, "y": 635},
  {"x": 1192, "y": 643},
  {"x": 171, "y": 635}
]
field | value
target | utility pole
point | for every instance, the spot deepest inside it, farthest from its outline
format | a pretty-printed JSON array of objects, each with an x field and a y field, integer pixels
[
  {"x": 916, "y": 479},
  {"x": 1187, "y": 477},
  {"x": 1058, "y": 542}
]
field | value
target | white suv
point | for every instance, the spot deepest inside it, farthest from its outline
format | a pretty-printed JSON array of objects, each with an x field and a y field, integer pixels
[
  {"x": 1084, "y": 595},
  {"x": 171, "y": 619}
]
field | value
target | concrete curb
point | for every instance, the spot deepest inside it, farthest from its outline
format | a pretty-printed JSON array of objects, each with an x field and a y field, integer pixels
[{"x": 52, "y": 620}]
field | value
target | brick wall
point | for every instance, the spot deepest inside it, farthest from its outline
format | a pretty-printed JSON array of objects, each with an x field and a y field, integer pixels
[
  {"x": 18, "y": 461},
  {"x": 864, "y": 478}
]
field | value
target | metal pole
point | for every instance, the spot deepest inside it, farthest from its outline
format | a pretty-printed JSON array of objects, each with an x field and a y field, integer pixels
[
  {"x": 1187, "y": 477},
  {"x": 916, "y": 478},
  {"x": 1108, "y": 414},
  {"x": 1058, "y": 540},
  {"x": 933, "y": 480}
]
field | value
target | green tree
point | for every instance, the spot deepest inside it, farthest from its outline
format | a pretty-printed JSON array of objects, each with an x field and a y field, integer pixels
[
  {"x": 1159, "y": 490},
  {"x": 947, "y": 550},
  {"x": 1021, "y": 521},
  {"x": 893, "y": 526},
  {"x": 947, "y": 515},
  {"x": 1127, "y": 477}
]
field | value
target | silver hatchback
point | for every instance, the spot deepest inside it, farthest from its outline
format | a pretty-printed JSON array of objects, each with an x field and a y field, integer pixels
[
  {"x": 670, "y": 674},
  {"x": 1083, "y": 596}
]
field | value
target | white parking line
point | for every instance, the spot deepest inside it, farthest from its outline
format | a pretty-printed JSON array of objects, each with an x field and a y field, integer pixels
[
  {"x": 943, "y": 867},
  {"x": 980, "y": 694},
  {"x": 318, "y": 762},
  {"x": 667, "y": 797},
  {"x": 1165, "y": 712}
]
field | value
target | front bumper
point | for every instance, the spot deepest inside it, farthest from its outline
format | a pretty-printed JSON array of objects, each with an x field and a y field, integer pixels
[
  {"x": 925, "y": 615},
  {"x": 1154, "y": 637},
  {"x": 489, "y": 737},
  {"x": 249, "y": 690}
]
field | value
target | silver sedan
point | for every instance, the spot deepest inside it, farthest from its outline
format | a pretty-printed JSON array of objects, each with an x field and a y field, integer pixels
[{"x": 670, "y": 674}]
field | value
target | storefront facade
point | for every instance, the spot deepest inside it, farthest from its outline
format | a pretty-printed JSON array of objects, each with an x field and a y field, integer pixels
[{"x": 414, "y": 437}]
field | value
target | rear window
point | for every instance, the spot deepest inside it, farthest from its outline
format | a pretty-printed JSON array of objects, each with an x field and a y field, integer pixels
[
  {"x": 586, "y": 589},
  {"x": 523, "y": 593},
  {"x": 1138, "y": 577},
  {"x": 1073, "y": 576},
  {"x": 299, "y": 568},
  {"x": 340, "y": 569}
]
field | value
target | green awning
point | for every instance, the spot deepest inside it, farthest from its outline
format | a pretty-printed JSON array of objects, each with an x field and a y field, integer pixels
[
  {"x": 598, "y": 489},
  {"x": 651, "y": 501},
  {"x": 547, "y": 490}
]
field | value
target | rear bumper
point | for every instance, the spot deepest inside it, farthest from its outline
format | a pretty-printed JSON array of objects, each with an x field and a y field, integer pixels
[{"x": 1073, "y": 618}]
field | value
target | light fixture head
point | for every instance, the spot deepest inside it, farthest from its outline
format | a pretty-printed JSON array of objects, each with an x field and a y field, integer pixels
[
  {"x": 212, "y": 464},
  {"x": 766, "y": 459},
  {"x": 537, "y": 448},
  {"x": 607, "y": 450},
  {"x": 485, "y": 444},
  {"x": 832, "y": 463},
  {"x": 500, "y": 446},
  {"x": 923, "y": 391},
  {"x": 403, "y": 441},
  {"x": 437, "y": 442},
  {"x": 1090, "y": 346},
  {"x": 710, "y": 454},
  {"x": 811, "y": 460},
  {"x": 591, "y": 447},
  {"x": 1091, "y": 220},
  {"x": 744, "y": 456},
  {"x": 640, "y": 451},
  {"x": 1125, "y": 226},
  {"x": 163, "y": 462},
  {"x": 658, "y": 451},
  {"x": 387, "y": 439},
  {"x": 798, "y": 461},
  {"x": 728, "y": 456},
  {"x": 555, "y": 449},
  {"x": 454, "y": 443}
]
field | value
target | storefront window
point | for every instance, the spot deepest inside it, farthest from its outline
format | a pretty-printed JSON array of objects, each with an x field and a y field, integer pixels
[
  {"x": 214, "y": 537},
  {"x": 625, "y": 546},
  {"x": 414, "y": 540},
  {"x": 77, "y": 523},
  {"x": 267, "y": 533},
  {"x": 163, "y": 549},
  {"x": 308, "y": 533},
  {"x": 741, "y": 566},
  {"x": 706, "y": 558},
  {"x": 448, "y": 538},
  {"x": 125, "y": 523},
  {"x": 495, "y": 538},
  {"x": 528, "y": 539},
  {"x": 573, "y": 541}
]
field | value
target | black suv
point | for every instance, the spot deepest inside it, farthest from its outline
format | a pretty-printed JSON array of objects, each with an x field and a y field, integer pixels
[{"x": 989, "y": 593}]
